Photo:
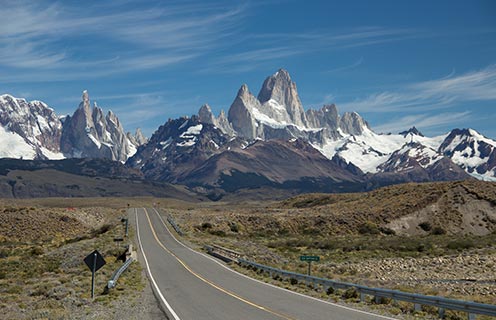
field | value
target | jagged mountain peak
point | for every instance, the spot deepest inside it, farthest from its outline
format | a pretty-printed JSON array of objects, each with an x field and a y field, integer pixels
[
  {"x": 205, "y": 114},
  {"x": 331, "y": 108},
  {"x": 140, "y": 137},
  {"x": 88, "y": 133},
  {"x": 412, "y": 131},
  {"x": 352, "y": 123},
  {"x": 85, "y": 101},
  {"x": 85, "y": 96},
  {"x": 243, "y": 90},
  {"x": 29, "y": 130},
  {"x": 276, "y": 87},
  {"x": 279, "y": 93}
]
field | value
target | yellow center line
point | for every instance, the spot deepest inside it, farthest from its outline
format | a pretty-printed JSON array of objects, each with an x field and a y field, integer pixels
[{"x": 210, "y": 282}]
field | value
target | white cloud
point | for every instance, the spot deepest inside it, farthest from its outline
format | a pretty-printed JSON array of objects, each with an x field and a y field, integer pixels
[
  {"x": 423, "y": 121},
  {"x": 434, "y": 94},
  {"x": 475, "y": 85},
  {"x": 355, "y": 64},
  {"x": 260, "y": 49},
  {"x": 63, "y": 41}
]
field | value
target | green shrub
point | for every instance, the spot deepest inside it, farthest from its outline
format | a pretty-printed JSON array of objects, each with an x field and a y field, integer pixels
[
  {"x": 36, "y": 251},
  {"x": 219, "y": 233},
  {"x": 234, "y": 227},
  {"x": 368, "y": 228},
  {"x": 387, "y": 231},
  {"x": 426, "y": 226},
  {"x": 461, "y": 244},
  {"x": 382, "y": 300},
  {"x": 350, "y": 293},
  {"x": 438, "y": 231},
  {"x": 206, "y": 225}
]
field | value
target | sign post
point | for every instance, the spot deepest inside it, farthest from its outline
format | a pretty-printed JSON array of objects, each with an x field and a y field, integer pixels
[
  {"x": 126, "y": 223},
  {"x": 94, "y": 261},
  {"x": 309, "y": 259}
]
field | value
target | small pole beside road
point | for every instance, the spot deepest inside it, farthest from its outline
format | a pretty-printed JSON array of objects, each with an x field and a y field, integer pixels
[
  {"x": 94, "y": 261},
  {"x": 126, "y": 223},
  {"x": 93, "y": 271},
  {"x": 309, "y": 259}
]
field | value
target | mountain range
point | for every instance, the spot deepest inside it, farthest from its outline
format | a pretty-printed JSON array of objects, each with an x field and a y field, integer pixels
[
  {"x": 265, "y": 140},
  {"x": 32, "y": 130}
]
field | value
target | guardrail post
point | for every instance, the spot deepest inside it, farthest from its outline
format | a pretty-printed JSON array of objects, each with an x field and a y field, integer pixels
[
  {"x": 378, "y": 301},
  {"x": 417, "y": 307},
  {"x": 441, "y": 313},
  {"x": 471, "y": 316},
  {"x": 362, "y": 297}
]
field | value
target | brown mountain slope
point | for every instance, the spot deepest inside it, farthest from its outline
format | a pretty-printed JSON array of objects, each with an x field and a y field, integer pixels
[
  {"x": 454, "y": 207},
  {"x": 287, "y": 164}
]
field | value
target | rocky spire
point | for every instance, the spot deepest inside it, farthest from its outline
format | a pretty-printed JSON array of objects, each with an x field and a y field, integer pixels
[
  {"x": 412, "y": 131},
  {"x": 352, "y": 123},
  {"x": 240, "y": 113},
  {"x": 205, "y": 114},
  {"x": 89, "y": 134},
  {"x": 140, "y": 137},
  {"x": 280, "y": 88}
]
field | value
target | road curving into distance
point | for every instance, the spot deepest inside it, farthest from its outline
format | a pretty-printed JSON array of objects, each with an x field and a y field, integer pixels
[{"x": 193, "y": 286}]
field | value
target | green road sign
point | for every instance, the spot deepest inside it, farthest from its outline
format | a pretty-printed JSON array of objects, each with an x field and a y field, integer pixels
[{"x": 309, "y": 258}]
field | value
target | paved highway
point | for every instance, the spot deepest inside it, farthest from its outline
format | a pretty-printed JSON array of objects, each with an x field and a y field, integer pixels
[{"x": 193, "y": 286}]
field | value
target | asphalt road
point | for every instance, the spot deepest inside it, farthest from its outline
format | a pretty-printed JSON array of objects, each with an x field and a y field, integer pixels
[{"x": 193, "y": 286}]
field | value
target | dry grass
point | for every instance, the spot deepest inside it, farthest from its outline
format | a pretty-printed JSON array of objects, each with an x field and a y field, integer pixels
[{"x": 42, "y": 273}]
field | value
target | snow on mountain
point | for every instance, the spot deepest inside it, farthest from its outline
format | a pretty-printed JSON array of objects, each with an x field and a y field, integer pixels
[
  {"x": 29, "y": 129},
  {"x": 90, "y": 133},
  {"x": 277, "y": 113},
  {"x": 32, "y": 130},
  {"x": 14, "y": 146},
  {"x": 471, "y": 151},
  {"x": 410, "y": 156}
]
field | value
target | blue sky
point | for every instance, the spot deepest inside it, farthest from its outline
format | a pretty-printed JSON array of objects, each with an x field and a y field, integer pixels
[{"x": 431, "y": 64}]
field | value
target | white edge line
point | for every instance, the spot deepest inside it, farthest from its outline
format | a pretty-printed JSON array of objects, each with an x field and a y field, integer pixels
[
  {"x": 265, "y": 283},
  {"x": 150, "y": 272}
]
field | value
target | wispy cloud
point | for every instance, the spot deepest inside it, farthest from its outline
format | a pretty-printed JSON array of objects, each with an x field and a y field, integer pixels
[
  {"x": 354, "y": 65},
  {"x": 424, "y": 121},
  {"x": 434, "y": 94},
  {"x": 476, "y": 85},
  {"x": 58, "y": 39},
  {"x": 260, "y": 49},
  {"x": 249, "y": 60}
]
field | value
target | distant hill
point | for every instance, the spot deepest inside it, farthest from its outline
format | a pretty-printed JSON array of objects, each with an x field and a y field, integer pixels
[
  {"x": 80, "y": 178},
  {"x": 466, "y": 207}
]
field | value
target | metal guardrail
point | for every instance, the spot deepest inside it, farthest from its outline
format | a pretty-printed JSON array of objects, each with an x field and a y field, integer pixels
[
  {"x": 471, "y": 308},
  {"x": 174, "y": 225},
  {"x": 117, "y": 273},
  {"x": 224, "y": 254}
]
